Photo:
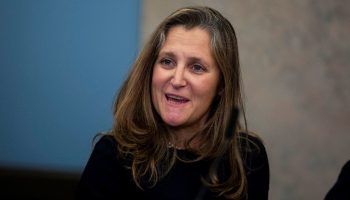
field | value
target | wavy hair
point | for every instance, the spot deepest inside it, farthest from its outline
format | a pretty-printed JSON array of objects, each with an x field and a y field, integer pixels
[{"x": 141, "y": 134}]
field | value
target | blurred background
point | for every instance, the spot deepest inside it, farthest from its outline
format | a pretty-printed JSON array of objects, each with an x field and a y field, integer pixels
[{"x": 62, "y": 62}]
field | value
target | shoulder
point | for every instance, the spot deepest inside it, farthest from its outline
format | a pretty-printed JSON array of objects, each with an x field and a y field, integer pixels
[
  {"x": 104, "y": 145},
  {"x": 250, "y": 143},
  {"x": 340, "y": 189},
  {"x": 104, "y": 174},
  {"x": 104, "y": 153},
  {"x": 105, "y": 142},
  {"x": 253, "y": 151},
  {"x": 256, "y": 165},
  {"x": 107, "y": 148}
]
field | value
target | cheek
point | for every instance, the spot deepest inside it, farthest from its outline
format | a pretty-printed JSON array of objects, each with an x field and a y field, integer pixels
[
  {"x": 156, "y": 82},
  {"x": 160, "y": 78},
  {"x": 156, "y": 86},
  {"x": 206, "y": 89}
]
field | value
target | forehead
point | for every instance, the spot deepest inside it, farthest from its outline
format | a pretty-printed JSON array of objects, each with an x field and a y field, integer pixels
[
  {"x": 188, "y": 32},
  {"x": 195, "y": 40}
]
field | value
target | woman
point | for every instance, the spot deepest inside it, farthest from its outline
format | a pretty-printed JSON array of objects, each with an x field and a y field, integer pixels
[{"x": 171, "y": 118}]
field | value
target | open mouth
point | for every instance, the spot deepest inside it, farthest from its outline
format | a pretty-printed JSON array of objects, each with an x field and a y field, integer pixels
[{"x": 176, "y": 99}]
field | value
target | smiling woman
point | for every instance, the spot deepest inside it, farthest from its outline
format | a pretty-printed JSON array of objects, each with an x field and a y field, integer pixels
[
  {"x": 185, "y": 81},
  {"x": 170, "y": 130}
]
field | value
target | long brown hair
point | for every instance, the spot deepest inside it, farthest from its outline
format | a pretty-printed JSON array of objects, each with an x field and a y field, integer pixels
[{"x": 139, "y": 130}]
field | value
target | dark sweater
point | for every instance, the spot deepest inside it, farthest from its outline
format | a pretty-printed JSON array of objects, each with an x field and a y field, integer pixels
[{"x": 105, "y": 176}]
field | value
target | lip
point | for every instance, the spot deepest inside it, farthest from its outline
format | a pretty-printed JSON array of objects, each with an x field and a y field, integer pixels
[{"x": 176, "y": 99}]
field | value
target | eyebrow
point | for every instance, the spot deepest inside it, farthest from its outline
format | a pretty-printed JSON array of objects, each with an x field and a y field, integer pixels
[
  {"x": 166, "y": 53},
  {"x": 192, "y": 58}
]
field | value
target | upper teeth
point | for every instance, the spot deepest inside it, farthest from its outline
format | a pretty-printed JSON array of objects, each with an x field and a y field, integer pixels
[{"x": 175, "y": 97}]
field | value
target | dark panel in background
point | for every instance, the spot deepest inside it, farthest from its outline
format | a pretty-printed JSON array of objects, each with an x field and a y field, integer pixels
[{"x": 37, "y": 184}]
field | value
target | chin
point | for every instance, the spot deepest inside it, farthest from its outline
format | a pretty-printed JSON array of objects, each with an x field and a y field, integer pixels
[{"x": 174, "y": 122}]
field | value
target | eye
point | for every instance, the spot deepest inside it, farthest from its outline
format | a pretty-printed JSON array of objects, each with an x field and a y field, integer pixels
[
  {"x": 198, "y": 68},
  {"x": 167, "y": 62}
]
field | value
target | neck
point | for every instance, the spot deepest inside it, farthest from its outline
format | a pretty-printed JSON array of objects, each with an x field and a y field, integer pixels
[
  {"x": 181, "y": 138},
  {"x": 171, "y": 145},
  {"x": 182, "y": 135}
]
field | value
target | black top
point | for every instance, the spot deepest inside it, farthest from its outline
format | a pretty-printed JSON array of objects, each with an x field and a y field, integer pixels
[{"x": 105, "y": 176}]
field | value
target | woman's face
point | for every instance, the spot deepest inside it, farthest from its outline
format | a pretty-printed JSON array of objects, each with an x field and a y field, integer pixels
[{"x": 185, "y": 78}]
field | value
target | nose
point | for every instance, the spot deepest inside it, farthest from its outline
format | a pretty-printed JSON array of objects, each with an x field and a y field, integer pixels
[{"x": 178, "y": 78}]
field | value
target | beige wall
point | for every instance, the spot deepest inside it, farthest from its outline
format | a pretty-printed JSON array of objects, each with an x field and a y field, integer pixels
[{"x": 295, "y": 58}]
